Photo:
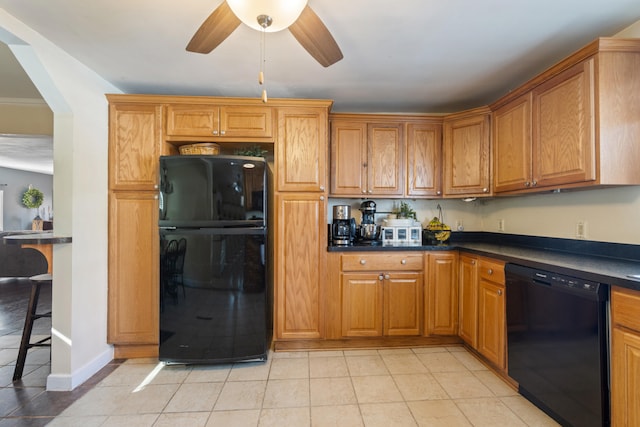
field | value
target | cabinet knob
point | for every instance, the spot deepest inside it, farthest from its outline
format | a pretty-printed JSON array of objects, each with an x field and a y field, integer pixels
[
  {"x": 381, "y": 277},
  {"x": 363, "y": 261},
  {"x": 155, "y": 197},
  {"x": 485, "y": 190},
  {"x": 473, "y": 262},
  {"x": 527, "y": 184},
  {"x": 534, "y": 183},
  {"x": 490, "y": 271},
  {"x": 386, "y": 276},
  {"x": 438, "y": 192},
  {"x": 223, "y": 132},
  {"x": 499, "y": 292},
  {"x": 321, "y": 198},
  {"x": 364, "y": 191},
  {"x": 404, "y": 261},
  {"x": 370, "y": 191},
  {"x": 215, "y": 132},
  {"x": 155, "y": 186},
  {"x": 322, "y": 188}
]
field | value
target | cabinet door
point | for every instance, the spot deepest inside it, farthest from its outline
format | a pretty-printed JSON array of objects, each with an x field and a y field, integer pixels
[
  {"x": 301, "y": 152},
  {"x": 348, "y": 158},
  {"x": 193, "y": 120},
  {"x": 135, "y": 139},
  {"x": 300, "y": 250},
  {"x": 563, "y": 131},
  {"x": 403, "y": 304},
  {"x": 441, "y": 295},
  {"x": 133, "y": 316},
  {"x": 362, "y": 296},
  {"x": 625, "y": 378},
  {"x": 245, "y": 121},
  {"x": 468, "y": 302},
  {"x": 512, "y": 145},
  {"x": 424, "y": 159},
  {"x": 466, "y": 156},
  {"x": 385, "y": 168},
  {"x": 491, "y": 322}
]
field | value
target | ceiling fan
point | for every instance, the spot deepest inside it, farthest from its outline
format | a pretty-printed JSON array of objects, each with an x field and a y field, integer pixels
[{"x": 307, "y": 28}]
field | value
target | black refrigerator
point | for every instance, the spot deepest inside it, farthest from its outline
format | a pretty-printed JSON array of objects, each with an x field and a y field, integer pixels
[{"x": 215, "y": 299}]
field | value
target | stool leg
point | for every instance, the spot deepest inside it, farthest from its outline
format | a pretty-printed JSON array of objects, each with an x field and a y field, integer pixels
[{"x": 26, "y": 332}]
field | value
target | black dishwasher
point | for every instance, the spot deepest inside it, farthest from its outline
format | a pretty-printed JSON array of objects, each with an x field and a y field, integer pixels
[{"x": 557, "y": 344}]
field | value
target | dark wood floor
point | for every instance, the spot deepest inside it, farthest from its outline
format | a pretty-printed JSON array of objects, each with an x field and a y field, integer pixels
[{"x": 25, "y": 402}]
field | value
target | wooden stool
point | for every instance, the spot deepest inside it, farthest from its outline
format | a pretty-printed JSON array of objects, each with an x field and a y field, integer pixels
[{"x": 25, "y": 344}]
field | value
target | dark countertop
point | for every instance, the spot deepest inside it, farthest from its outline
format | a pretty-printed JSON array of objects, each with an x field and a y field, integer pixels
[
  {"x": 36, "y": 238},
  {"x": 395, "y": 247},
  {"x": 608, "y": 263}
]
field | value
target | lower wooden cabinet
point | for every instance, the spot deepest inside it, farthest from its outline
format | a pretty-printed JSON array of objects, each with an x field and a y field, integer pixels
[
  {"x": 133, "y": 294},
  {"x": 483, "y": 307},
  {"x": 468, "y": 300},
  {"x": 299, "y": 258},
  {"x": 441, "y": 293},
  {"x": 381, "y": 294},
  {"x": 625, "y": 357}
]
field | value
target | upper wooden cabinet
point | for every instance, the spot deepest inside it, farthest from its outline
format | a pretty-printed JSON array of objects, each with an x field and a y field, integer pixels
[
  {"x": 575, "y": 125},
  {"x": 367, "y": 158},
  {"x": 385, "y": 155},
  {"x": 225, "y": 122},
  {"x": 467, "y": 158},
  {"x": 512, "y": 145},
  {"x": 135, "y": 141},
  {"x": 424, "y": 160},
  {"x": 301, "y": 150}
]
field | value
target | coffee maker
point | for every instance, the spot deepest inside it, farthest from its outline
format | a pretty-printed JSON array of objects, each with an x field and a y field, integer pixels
[{"x": 342, "y": 229}]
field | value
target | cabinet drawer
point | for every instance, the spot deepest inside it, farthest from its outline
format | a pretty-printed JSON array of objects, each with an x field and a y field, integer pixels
[
  {"x": 381, "y": 262},
  {"x": 625, "y": 305},
  {"x": 491, "y": 270}
]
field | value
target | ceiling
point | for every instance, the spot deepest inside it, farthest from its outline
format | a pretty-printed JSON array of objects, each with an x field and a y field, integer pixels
[{"x": 403, "y": 56}]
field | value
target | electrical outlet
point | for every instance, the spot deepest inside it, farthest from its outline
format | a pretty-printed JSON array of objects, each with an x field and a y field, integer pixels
[
  {"x": 581, "y": 229},
  {"x": 501, "y": 224},
  {"x": 459, "y": 225}
]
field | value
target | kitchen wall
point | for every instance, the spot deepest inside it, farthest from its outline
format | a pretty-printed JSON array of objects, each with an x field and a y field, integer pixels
[{"x": 14, "y": 183}]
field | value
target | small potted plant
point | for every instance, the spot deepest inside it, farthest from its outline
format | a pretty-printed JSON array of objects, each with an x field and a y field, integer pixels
[
  {"x": 406, "y": 211},
  {"x": 32, "y": 199}
]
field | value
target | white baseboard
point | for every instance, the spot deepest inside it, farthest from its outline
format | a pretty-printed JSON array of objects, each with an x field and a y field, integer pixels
[{"x": 66, "y": 382}]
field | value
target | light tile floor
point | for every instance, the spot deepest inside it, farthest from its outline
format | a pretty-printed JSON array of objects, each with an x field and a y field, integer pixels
[{"x": 430, "y": 386}]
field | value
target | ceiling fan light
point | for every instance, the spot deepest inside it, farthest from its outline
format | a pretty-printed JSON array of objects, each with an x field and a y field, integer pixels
[{"x": 283, "y": 12}]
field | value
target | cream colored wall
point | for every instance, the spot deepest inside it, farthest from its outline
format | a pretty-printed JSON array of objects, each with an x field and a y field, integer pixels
[
  {"x": 75, "y": 94},
  {"x": 30, "y": 118}
]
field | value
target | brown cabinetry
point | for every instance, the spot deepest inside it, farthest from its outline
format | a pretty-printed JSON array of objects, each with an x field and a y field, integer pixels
[
  {"x": 381, "y": 294},
  {"x": 441, "y": 293},
  {"x": 367, "y": 157},
  {"x": 571, "y": 126},
  {"x": 625, "y": 357},
  {"x": 135, "y": 145},
  {"x": 483, "y": 307},
  {"x": 224, "y": 122},
  {"x": 299, "y": 216},
  {"x": 467, "y": 160},
  {"x": 491, "y": 312},
  {"x": 424, "y": 160}
]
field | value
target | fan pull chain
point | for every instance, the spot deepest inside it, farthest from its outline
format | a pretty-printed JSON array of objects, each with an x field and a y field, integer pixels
[{"x": 263, "y": 60}]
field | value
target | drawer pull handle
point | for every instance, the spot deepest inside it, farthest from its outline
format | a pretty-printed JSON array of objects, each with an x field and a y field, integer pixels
[
  {"x": 363, "y": 261},
  {"x": 490, "y": 271},
  {"x": 499, "y": 292},
  {"x": 404, "y": 261}
]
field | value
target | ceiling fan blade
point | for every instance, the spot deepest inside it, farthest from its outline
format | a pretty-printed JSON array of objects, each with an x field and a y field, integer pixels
[
  {"x": 214, "y": 30},
  {"x": 314, "y": 36}
]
